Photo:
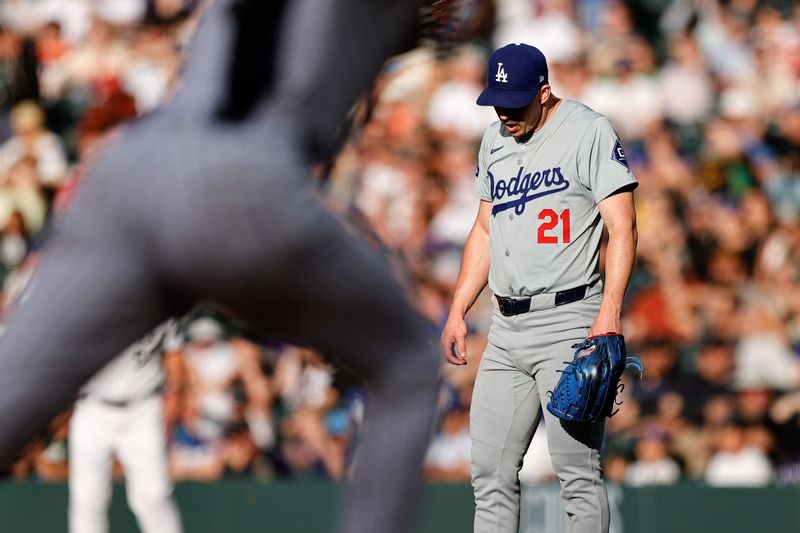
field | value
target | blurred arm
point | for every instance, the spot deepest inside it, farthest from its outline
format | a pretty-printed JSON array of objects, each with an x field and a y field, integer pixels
[{"x": 331, "y": 53}]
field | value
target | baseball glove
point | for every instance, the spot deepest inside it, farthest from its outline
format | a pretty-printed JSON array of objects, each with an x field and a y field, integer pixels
[{"x": 588, "y": 387}]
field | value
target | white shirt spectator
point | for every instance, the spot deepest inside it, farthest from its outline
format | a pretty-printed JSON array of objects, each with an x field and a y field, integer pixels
[
  {"x": 303, "y": 379},
  {"x": 632, "y": 104},
  {"x": 728, "y": 57},
  {"x": 387, "y": 198},
  {"x": 449, "y": 451},
  {"x": 688, "y": 94},
  {"x": 120, "y": 12},
  {"x": 27, "y": 15},
  {"x": 662, "y": 472},
  {"x": 148, "y": 82},
  {"x": 453, "y": 222},
  {"x": 554, "y": 32},
  {"x": 748, "y": 468},
  {"x": 452, "y": 107},
  {"x": 764, "y": 360},
  {"x": 51, "y": 161}
]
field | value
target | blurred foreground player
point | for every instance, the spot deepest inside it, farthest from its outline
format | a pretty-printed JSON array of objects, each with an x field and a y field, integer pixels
[{"x": 211, "y": 199}]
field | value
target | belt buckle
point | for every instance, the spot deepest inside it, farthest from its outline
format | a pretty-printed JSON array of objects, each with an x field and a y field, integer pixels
[
  {"x": 513, "y": 306},
  {"x": 506, "y": 306}
]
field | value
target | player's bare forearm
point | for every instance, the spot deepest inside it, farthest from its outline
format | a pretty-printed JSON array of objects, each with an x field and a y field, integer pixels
[
  {"x": 619, "y": 217},
  {"x": 620, "y": 256},
  {"x": 472, "y": 279}
]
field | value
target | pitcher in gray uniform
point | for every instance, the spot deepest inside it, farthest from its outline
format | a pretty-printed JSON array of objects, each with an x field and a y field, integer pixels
[
  {"x": 550, "y": 174},
  {"x": 211, "y": 199}
]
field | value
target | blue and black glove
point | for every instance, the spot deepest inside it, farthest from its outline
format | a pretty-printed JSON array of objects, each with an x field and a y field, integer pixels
[{"x": 588, "y": 388}]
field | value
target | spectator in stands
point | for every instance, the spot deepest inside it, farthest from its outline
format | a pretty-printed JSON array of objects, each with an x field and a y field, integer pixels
[
  {"x": 23, "y": 194},
  {"x": 448, "y": 457},
  {"x": 735, "y": 463},
  {"x": 309, "y": 448},
  {"x": 660, "y": 358},
  {"x": 194, "y": 453},
  {"x": 707, "y": 99},
  {"x": 18, "y": 74},
  {"x": 49, "y": 457},
  {"x": 712, "y": 375},
  {"x": 14, "y": 244},
  {"x": 32, "y": 140},
  {"x": 225, "y": 390},
  {"x": 653, "y": 464}
]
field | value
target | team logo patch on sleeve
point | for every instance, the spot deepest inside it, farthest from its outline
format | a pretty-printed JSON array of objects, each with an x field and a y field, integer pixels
[{"x": 618, "y": 155}]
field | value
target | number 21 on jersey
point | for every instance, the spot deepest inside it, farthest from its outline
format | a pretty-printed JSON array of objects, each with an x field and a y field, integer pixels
[{"x": 548, "y": 232}]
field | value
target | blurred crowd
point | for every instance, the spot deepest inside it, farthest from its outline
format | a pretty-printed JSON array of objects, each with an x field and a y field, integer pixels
[{"x": 706, "y": 98}]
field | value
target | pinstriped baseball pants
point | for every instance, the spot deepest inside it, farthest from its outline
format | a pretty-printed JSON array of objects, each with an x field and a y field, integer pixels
[
  {"x": 519, "y": 366},
  {"x": 157, "y": 227},
  {"x": 214, "y": 215},
  {"x": 184, "y": 207}
]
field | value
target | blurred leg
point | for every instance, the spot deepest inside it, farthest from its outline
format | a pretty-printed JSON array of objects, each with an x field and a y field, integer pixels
[
  {"x": 353, "y": 309},
  {"x": 90, "y": 434},
  {"x": 91, "y": 297},
  {"x": 317, "y": 283}
]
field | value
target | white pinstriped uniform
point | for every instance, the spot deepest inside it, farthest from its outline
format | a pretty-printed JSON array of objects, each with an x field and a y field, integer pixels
[{"x": 120, "y": 414}]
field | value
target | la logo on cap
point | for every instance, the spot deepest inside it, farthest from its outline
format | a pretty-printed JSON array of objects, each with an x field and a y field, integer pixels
[
  {"x": 501, "y": 74},
  {"x": 514, "y": 75}
]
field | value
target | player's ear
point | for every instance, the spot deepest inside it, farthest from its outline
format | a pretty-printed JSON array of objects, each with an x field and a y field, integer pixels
[{"x": 544, "y": 93}]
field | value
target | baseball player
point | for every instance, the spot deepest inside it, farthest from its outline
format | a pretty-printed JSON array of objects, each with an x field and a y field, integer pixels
[
  {"x": 211, "y": 198},
  {"x": 120, "y": 414},
  {"x": 551, "y": 172}
]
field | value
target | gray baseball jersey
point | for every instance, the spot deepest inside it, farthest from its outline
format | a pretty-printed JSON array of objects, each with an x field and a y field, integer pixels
[{"x": 545, "y": 226}]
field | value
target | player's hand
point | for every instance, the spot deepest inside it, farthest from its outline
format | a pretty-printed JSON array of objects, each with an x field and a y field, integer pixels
[
  {"x": 453, "y": 342},
  {"x": 607, "y": 321}
]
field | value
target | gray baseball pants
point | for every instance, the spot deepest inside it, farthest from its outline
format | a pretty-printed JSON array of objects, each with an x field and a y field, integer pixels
[
  {"x": 519, "y": 366},
  {"x": 185, "y": 207}
]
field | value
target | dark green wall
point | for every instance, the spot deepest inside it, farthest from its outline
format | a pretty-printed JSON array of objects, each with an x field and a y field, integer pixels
[{"x": 309, "y": 507}]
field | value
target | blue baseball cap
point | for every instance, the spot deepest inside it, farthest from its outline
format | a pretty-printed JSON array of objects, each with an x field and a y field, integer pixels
[{"x": 515, "y": 74}]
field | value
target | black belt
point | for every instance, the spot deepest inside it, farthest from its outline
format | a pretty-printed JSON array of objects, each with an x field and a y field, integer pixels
[
  {"x": 121, "y": 404},
  {"x": 517, "y": 306}
]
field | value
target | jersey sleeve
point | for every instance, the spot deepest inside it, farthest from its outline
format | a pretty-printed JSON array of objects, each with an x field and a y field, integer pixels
[
  {"x": 482, "y": 186},
  {"x": 602, "y": 165},
  {"x": 172, "y": 339}
]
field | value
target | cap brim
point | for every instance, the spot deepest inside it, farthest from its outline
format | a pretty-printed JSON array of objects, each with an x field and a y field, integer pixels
[{"x": 503, "y": 98}]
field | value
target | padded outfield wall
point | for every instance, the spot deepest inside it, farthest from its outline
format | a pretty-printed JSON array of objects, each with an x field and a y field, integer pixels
[{"x": 243, "y": 506}]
